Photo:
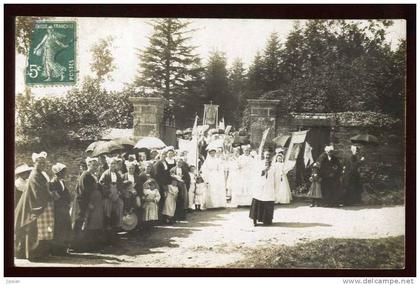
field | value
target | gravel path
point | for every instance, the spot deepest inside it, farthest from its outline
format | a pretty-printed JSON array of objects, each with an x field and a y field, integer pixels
[{"x": 215, "y": 238}]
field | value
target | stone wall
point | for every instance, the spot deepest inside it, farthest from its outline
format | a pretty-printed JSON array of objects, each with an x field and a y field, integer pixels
[
  {"x": 385, "y": 162},
  {"x": 263, "y": 115},
  {"x": 147, "y": 116}
]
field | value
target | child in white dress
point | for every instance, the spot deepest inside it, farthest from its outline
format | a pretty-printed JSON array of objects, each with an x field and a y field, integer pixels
[
  {"x": 151, "y": 198},
  {"x": 191, "y": 191},
  {"x": 200, "y": 189}
]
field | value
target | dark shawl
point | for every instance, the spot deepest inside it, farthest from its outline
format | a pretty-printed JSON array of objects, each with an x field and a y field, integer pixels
[
  {"x": 33, "y": 200},
  {"x": 105, "y": 182},
  {"x": 31, "y": 204},
  {"x": 162, "y": 175}
]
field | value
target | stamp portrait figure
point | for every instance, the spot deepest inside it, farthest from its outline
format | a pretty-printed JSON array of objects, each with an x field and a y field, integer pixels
[{"x": 48, "y": 48}]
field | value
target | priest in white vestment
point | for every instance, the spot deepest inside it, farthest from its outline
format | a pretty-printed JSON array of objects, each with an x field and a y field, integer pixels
[{"x": 262, "y": 206}]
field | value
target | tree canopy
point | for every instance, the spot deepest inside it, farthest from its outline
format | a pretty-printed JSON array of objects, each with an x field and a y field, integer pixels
[{"x": 169, "y": 67}]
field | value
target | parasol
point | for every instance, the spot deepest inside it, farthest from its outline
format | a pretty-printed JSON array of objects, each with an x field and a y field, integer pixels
[
  {"x": 149, "y": 143},
  {"x": 125, "y": 141},
  {"x": 106, "y": 148},
  {"x": 283, "y": 140},
  {"x": 364, "y": 139},
  {"x": 92, "y": 146}
]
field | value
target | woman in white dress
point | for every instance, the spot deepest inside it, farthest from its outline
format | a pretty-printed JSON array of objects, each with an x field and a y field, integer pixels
[
  {"x": 213, "y": 174},
  {"x": 246, "y": 164},
  {"x": 234, "y": 181},
  {"x": 283, "y": 194}
]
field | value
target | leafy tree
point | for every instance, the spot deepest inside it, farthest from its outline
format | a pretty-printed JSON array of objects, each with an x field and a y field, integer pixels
[
  {"x": 103, "y": 62},
  {"x": 335, "y": 66},
  {"x": 168, "y": 66},
  {"x": 24, "y": 27}
]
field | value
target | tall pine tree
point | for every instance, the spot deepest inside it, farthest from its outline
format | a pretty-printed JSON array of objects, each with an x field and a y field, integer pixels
[
  {"x": 271, "y": 64},
  {"x": 237, "y": 87},
  {"x": 255, "y": 74},
  {"x": 170, "y": 68},
  {"x": 217, "y": 86}
]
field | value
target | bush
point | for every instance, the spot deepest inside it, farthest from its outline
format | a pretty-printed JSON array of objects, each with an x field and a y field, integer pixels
[
  {"x": 365, "y": 119},
  {"x": 82, "y": 113}
]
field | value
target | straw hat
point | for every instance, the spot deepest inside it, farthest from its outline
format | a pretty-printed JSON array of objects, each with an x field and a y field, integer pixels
[
  {"x": 129, "y": 222},
  {"x": 22, "y": 169}
]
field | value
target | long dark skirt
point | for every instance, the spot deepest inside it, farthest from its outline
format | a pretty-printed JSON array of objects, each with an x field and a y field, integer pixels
[
  {"x": 62, "y": 229},
  {"x": 354, "y": 188},
  {"x": 262, "y": 211},
  {"x": 181, "y": 202},
  {"x": 331, "y": 190}
]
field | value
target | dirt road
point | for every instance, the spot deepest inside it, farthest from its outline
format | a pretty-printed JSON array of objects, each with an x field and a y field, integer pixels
[{"x": 215, "y": 238}]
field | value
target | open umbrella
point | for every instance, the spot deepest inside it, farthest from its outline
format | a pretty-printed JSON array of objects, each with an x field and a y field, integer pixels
[
  {"x": 125, "y": 141},
  {"x": 106, "y": 148},
  {"x": 282, "y": 140},
  {"x": 364, "y": 139},
  {"x": 150, "y": 142},
  {"x": 92, "y": 146}
]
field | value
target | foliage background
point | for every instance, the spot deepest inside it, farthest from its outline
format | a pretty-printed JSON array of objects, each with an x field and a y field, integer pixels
[{"x": 322, "y": 66}]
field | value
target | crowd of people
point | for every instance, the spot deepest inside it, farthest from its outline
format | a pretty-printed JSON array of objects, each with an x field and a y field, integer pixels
[
  {"x": 333, "y": 182},
  {"x": 140, "y": 190}
]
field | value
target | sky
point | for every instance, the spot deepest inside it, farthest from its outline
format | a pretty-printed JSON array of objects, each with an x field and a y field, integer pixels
[{"x": 237, "y": 38}]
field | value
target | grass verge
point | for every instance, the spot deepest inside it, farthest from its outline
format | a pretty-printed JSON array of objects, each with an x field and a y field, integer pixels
[{"x": 383, "y": 253}]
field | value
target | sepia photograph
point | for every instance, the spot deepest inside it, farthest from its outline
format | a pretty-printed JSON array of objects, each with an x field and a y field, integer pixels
[{"x": 224, "y": 143}]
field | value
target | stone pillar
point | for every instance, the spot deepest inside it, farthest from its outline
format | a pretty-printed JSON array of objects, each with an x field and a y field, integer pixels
[
  {"x": 147, "y": 116},
  {"x": 263, "y": 115}
]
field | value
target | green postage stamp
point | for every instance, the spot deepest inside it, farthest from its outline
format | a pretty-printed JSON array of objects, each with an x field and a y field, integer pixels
[{"x": 52, "y": 54}]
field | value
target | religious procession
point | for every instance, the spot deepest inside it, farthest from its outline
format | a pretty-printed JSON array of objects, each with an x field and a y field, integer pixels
[
  {"x": 271, "y": 156},
  {"x": 139, "y": 185}
]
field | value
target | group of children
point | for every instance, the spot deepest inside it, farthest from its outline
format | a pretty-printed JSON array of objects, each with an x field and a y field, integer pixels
[{"x": 152, "y": 197}]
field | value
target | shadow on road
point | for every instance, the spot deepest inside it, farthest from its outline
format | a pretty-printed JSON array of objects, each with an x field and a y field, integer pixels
[
  {"x": 81, "y": 259},
  {"x": 149, "y": 241}
]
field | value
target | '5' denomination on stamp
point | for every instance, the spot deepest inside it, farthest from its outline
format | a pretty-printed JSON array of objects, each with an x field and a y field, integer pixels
[{"x": 52, "y": 54}]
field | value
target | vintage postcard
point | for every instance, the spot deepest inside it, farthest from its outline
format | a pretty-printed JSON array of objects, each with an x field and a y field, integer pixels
[{"x": 210, "y": 143}]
